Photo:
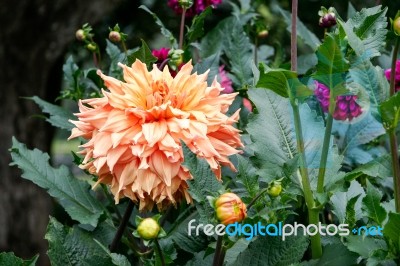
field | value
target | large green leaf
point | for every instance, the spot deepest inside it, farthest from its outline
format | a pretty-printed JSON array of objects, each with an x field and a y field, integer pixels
[
  {"x": 332, "y": 65},
  {"x": 164, "y": 31},
  {"x": 364, "y": 246},
  {"x": 371, "y": 205},
  {"x": 72, "y": 193},
  {"x": 247, "y": 176},
  {"x": 390, "y": 111},
  {"x": 143, "y": 54},
  {"x": 116, "y": 56},
  {"x": 380, "y": 167},
  {"x": 8, "y": 258},
  {"x": 303, "y": 33},
  {"x": 370, "y": 26},
  {"x": 196, "y": 30},
  {"x": 391, "y": 230},
  {"x": 74, "y": 246},
  {"x": 203, "y": 184},
  {"x": 337, "y": 254},
  {"x": 272, "y": 134},
  {"x": 58, "y": 116},
  {"x": 340, "y": 200},
  {"x": 210, "y": 64},
  {"x": 201, "y": 259},
  {"x": 273, "y": 251}
]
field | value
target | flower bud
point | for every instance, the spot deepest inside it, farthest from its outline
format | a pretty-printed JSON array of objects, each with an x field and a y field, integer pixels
[
  {"x": 396, "y": 26},
  {"x": 148, "y": 229},
  {"x": 185, "y": 3},
  {"x": 80, "y": 35},
  {"x": 262, "y": 34},
  {"x": 175, "y": 58},
  {"x": 230, "y": 209},
  {"x": 274, "y": 189},
  {"x": 114, "y": 36},
  {"x": 91, "y": 47},
  {"x": 327, "y": 17}
]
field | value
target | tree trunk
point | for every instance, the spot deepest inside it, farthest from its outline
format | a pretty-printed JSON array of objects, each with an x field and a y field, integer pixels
[{"x": 34, "y": 35}]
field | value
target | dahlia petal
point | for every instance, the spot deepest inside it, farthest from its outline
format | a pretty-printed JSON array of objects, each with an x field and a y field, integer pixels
[
  {"x": 154, "y": 132},
  {"x": 102, "y": 143}
]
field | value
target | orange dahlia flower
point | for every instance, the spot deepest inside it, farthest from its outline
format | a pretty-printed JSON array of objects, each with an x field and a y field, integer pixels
[{"x": 134, "y": 132}]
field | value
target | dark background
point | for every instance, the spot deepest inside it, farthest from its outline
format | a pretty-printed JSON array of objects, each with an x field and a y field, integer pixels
[{"x": 35, "y": 36}]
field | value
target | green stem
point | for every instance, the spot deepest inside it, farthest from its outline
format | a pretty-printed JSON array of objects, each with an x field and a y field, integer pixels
[
  {"x": 392, "y": 133},
  {"x": 256, "y": 198},
  {"x": 313, "y": 214},
  {"x": 218, "y": 250},
  {"x": 324, "y": 155},
  {"x": 182, "y": 27},
  {"x": 122, "y": 226},
  {"x": 159, "y": 252}
]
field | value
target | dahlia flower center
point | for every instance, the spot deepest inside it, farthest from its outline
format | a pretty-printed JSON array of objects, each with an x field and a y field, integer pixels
[{"x": 160, "y": 92}]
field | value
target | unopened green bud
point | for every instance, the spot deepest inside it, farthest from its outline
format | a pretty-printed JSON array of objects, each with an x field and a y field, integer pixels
[
  {"x": 80, "y": 35},
  {"x": 396, "y": 26},
  {"x": 114, "y": 36},
  {"x": 91, "y": 47},
  {"x": 185, "y": 3},
  {"x": 274, "y": 189},
  {"x": 148, "y": 229}
]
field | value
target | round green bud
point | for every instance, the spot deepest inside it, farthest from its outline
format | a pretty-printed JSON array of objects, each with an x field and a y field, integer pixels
[
  {"x": 148, "y": 229},
  {"x": 274, "y": 189},
  {"x": 396, "y": 26}
]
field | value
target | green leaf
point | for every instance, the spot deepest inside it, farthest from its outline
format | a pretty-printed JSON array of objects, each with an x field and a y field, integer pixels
[
  {"x": 203, "y": 184},
  {"x": 390, "y": 111},
  {"x": 282, "y": 80},
  {"x": 71, "y": 74},
  {"x": 58, "y": 116},
  {"x": 200, "y": 260},
  {"x": 332, "y": 65},
  {"x": 370, "y": 26},
  {"x": 164, "y": 31},
  {"x": 74, "y": 246},
  {"x": 391, "y": 230},
  {"x": 143, "y": 54},
  {"x": 272, "y": 250},
  {"x": 210, "y": 63},
  {"x": 116, "y": 56},
  {"x": 8, "y": 258},
  {"x": 373, "y": 81},
  {"x": 196, "y": 30},
  {"x": 365, "y": 246},
  {"x": 350, "y": 211},
  {"x": 371, "y": 205},
  {"x": 233, "y": 252},
  {"x": 337, "y": 254},
  {"x": 72, "y": 193},
  {"x": 380, "y": 167},
  {"x": 180, "y": 235},
  {"x": 303, "y": 33},
  {"x": 340, "y": 200},
  {"x": 247, "y": 176}
]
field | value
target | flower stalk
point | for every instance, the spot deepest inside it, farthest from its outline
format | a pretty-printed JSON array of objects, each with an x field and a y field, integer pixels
[
  {"x": 313, "y": 214},
  {"x": 122, "y": 226},
  {"x": 182, "y": 28},
  {"x": 159, "y": 252},
  {"x": 392, "y": 133},
  {"x": 219, "y": 253}
]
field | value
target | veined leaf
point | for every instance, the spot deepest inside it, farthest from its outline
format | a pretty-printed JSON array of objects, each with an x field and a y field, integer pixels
[
  {"x": 273, "y": 251},
  {"x": 337, "y": 254},
  {"x": 58, "y": 116},
  {"x": 365, "y": 246},
  {"x": 164, "y": 30},
  {"x": 371, "y": 205},
  {"x": 116, "y": 56},
  {"x": 74, "y": 246},
  {"x": 340, "y": 201},
  {"x": 380, "y": 167},
  {"x": 203, "y": 184},
  {"x": 210, "y": 63},
  {"x": 72, "y": 193},
  {"x": 247, "y": 176},
  {"x": 8, "y": 258},
  {"x": 390, "y": 111},
  {"x": 391, "y": 231},
  {"x": 332, "y": 65},
  {"x": 350, "y": 211}
]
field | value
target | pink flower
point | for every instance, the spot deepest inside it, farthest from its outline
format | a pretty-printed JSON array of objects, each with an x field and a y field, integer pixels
[
  {"x": 134, "y": 132},
  {"x": 226, "y": 82},
  {"x": 346, "y": 106},
  {"x": 247, "y": 104},
  {"x": 396, "y": 76},
  {"x": 197, "y": 7},
  {"x": 161, "y": 54}
]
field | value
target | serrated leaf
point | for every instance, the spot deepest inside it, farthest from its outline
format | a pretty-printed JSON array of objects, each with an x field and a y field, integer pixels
[
  {"x": 233, "y": 252},
  {"x": 371, "y": 205},
  {"x": 332, "y": 65},
  {"x": 8, "y": 258},
  {"x": 247, "y": 176},
  {"x": 203, "y": 184},
  {"x": 200, "y": 259},
  {"x": 164, "y": 31},
  {"x": 71, "y": 73},
  {"x": 303, "y": 33},
  {"x": 339, "y": 201},
  {"x": 72, "y": 193},
  {"x": 390, "y": 112},
  {"x": 272, "y": 250},
  {"x": 58, "y": 116},
  {"x": 74, "y": 246},
  {"x": 365, "y": 246},
  {"x": 210, "y": 64},
  {"x": 337, "y": 254},
  {"x": 143, "y": 54},
  {"x": 370, "y": 26},
  {"x": 196, "y": 30},
  {"x": 380, "y": 167},
  {"x": 116, "y": 56},
  {"x": 350, "y": 211}
]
